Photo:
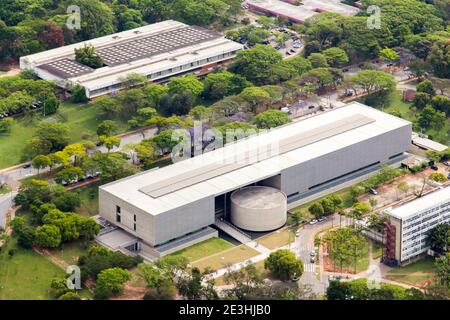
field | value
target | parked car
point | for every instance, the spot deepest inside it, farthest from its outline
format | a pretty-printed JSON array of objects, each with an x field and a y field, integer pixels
[
  {"x": 448, "y": 176},
  {"x": 322, "y": 219},
  {"x": 447, "y": 163},
  {"x": 288, "y": 53},
  {"x": 313, "y": 221},
  {"x": 312, "y": 260},
  {"x": 434, "y": 167},
  {"x": 26, "y": 165},
  {"x": 312, "y": 253},
  {"x": 293, "y": 51},
  {"x": 373, "y": 191},
  {"x": 297, "y": 234}
]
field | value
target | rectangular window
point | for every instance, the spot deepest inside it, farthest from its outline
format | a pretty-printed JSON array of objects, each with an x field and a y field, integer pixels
[
  {"x": 118, "y": 217},
  {"x": 134, "y": 227}
]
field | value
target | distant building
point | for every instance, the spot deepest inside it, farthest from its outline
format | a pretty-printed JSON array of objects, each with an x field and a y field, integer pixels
[
  {"x": 158, "y": 51},
  {"x": 405, "y": 235},
  {"x": 288, "y": 9},
  {"x": 172, "y": 207}
]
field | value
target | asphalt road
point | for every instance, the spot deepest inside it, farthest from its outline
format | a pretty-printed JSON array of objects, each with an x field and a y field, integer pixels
[
  {"x": 313, "y": 274},
  {"x": 6, "y": 202}
]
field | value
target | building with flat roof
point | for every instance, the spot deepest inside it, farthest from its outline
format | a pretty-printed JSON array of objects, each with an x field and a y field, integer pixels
[
  {"x": 300, "y": 159},
  {"x": 405, "y": 236},
  {"x": 299, "y": 13},
  {"x": 157, "y": 51}
]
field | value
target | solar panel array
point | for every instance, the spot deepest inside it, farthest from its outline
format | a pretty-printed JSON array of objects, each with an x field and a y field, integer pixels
[
  {"x": 66, "y": 68},
  {"x": 150, "y": 45}
]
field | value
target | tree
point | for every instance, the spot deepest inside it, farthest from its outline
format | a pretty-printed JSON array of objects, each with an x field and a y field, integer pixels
[
  {"x": 107, "y": 128},
  {"x": 373, "y": 80},
  {"x": 389, "y": 55},
  {"x": 194, "y": 284},
  {"x": 86, "y": 55},
  {"x": 110, "y": 142},
  {"x": 284, "y": 264},
  {"x": 47, "y": 236},
  {"x": 316, "y": 209},
  {"x": 49, "y": 137},
  {"x": 439, "y": 59},
  {"x": 68, "y": 201},
  {"x": 403, "y": 187},
  {"x": 5, "y": 126},
  {"x": 442, "y": 264},
  {"x": 318, "y": 60},
  {"x": 256, "y": 97},
  {"x": 109, "y": 106},
  {"x": 439, "y": 238},
  {"x": 421, "y": 100},
  {"x": 79, "y": 94},
  {"x": 50, "y": 105},
  {"x": 40, "y": 162},
  {"x": 187, "y": 83},
  {"x": 176, "y": 104},
  {"x": 69, "y": 174},
  {"x": 69, "y": 296},
  {"x": 271, "y": 119},
  {"x": 221, "y": 84},
  {"x": 336, "y": 57},
  {"x": 426, "y": 86},
  {"x": 97, "y": 18},
  {"x": 110, "y": 282},
  {"x": 418, "y": 68},
  {"x": 255, "y": 63}
]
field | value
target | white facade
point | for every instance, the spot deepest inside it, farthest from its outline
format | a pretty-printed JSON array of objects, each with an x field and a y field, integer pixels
[
  {"x": 308, "y": 156},
  {"x": 415, "y": 219},
  {"x": 132, "y": 51}
]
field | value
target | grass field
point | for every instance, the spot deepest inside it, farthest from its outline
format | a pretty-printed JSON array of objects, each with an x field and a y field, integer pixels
[
  {"x": 226, "y": 258},
  {"x": 26, "y": 275},
  {"x": 277, "y": 239},
  {"x": 418, "y": 273},
  {"x": 204, "y": 249},
  {"x": 397, "y": 104},
  {"x": 4, "y": 189},
  {"x": 89, "y": 199},
  {"x": 69, "y": 252},
  {"x": 82, "y": 121}
]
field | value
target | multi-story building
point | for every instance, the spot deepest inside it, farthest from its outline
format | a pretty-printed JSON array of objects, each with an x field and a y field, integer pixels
[
  {"x": 405, "y": 236},
  {"x": 169, "y": 207},
  {"x": 157, "y": 51}
]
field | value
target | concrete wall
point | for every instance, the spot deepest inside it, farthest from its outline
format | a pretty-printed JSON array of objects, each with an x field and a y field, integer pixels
[
  {"x": 310, "y": 173},
  {"x": 176, "y": 223},
  {"x": 145, "y": 225}
]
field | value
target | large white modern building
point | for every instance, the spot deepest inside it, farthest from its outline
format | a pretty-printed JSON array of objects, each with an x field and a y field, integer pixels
[
  {"x": 157, "y": 51},
  {"x": 298, "y": 11},
  {"x": 405, "y": 238},
  {"x": 178, "y": 203}
]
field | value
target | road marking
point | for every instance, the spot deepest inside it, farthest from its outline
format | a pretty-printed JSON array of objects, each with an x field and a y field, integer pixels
[{"x": 309, "y": 267}]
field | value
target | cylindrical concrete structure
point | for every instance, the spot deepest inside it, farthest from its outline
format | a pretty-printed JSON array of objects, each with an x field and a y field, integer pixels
[{"x": 258, "y": 208}]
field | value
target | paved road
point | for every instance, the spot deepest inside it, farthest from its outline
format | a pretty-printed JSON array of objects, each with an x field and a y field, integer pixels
[
  {"x": 6, "y": 202},
  {"x": 313, "y": 274}
]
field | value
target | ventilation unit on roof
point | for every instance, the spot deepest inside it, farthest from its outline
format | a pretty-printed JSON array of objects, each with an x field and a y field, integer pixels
[
  {"x": 116, "y": 37},
  {"x": 137, "y": 31},
  {"x": 173, "y": 59},
  {"x": 194, "y": 52}
]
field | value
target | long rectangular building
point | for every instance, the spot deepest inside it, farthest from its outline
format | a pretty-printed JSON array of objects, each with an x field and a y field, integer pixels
[
  {"x": 299, "y": 159},
  {"x": 157, "y": 51},
  {"x": 298, "y": 13},
  {"x": 409, "y": 224}
]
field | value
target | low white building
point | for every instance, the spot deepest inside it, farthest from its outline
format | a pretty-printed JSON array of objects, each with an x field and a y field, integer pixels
[
  {"x": 158, "y": 51},
  {"x": 410, "y": 223}
]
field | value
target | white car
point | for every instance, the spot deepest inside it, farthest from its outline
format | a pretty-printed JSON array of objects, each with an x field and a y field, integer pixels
[
  {"x": 297, "y": 234},
  {"x": 314, "y": 221}
]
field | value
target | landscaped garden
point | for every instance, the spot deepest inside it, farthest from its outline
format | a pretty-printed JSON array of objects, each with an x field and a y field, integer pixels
[{"x": 226, "y": 258}]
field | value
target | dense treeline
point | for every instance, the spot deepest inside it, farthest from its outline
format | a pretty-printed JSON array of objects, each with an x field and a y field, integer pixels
[{"x": 30, "y": 26}]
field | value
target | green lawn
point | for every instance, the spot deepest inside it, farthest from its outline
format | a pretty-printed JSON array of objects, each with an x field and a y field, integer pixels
[
  {"x": 82, "y": 121},
  {"x": 417, "y": 273},
  {"x": 69, "y": 252},
  {"x": 404, "y": 108},
  {"x": 204, "y": 249},
  {"x": 277, "y": 239},
  {"x": 89, "y": 199},
  {"x": 26, "y": 275},
  {"x": 4, "y": 189},
  {"x": 226, "y": 258}
]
